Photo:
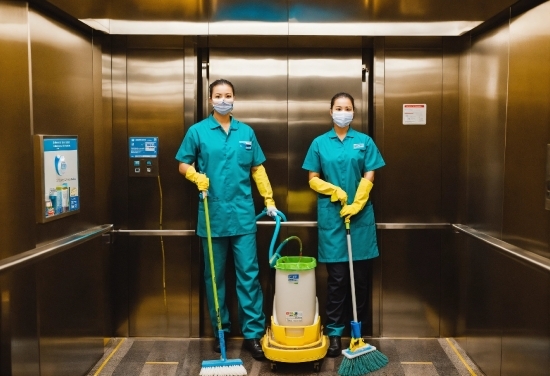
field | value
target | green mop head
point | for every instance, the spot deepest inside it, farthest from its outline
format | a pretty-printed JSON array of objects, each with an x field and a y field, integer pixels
[
  {"x": 224, "y": 366},
  {"x": 360, "y": 358}
]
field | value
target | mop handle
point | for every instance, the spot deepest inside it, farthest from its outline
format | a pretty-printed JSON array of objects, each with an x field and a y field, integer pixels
[
  {"x": 211, "y": 256},
  {"x": 351, "y": 275}
]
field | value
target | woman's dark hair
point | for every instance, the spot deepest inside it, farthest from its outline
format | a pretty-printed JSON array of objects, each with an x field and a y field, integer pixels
[
  {"x": 221, "y": 81},
  {"x": 342, "y": 95}
]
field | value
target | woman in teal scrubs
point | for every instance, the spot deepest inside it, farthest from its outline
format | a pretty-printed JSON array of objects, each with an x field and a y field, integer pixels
[
  {"x": 219, "y": 154},
  {"x": 341, "y": 166}
]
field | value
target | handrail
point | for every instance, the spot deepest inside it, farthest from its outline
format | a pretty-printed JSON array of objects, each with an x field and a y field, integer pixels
[
  {"x": 156, "y": 232},
  {"x": 507, "y": 248},
  {"x": 53, "y": 248},
  {"x": 379, "y": 226},
  {"x": 413, "y": 226}
]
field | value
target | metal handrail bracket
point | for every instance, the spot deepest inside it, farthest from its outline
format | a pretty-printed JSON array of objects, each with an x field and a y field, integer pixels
[
  {"x": 50, "y": 249},
  {"x": 507, "y": 248}
]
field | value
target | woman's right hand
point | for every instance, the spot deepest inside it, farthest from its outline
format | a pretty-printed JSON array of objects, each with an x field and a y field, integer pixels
[{"x": 201, "y": 180}]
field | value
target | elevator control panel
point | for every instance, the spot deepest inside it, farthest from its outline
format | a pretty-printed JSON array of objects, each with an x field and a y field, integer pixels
[{"x": 143, "y": 157}]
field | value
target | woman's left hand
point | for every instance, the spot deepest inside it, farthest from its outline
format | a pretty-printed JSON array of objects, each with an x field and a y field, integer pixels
[{"x": 271, "y": 211}]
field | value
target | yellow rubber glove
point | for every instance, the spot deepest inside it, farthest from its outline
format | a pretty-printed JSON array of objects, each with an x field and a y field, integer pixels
[
  {"x": 200, "y": 180},
  {"x": 361, "y": 198},
  {"x": 335, "y": 193},
  {"x": 264, "y": 187}
]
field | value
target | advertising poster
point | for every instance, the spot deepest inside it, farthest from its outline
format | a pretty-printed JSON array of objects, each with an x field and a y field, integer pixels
[{"x": 60, "y": 175}]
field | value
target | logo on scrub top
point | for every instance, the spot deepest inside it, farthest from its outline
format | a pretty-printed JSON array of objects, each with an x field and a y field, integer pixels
[
  {"x": 60, "y": 165},
  {"x": 358, "y": 146},
  {"x": 247, "y": 145}
]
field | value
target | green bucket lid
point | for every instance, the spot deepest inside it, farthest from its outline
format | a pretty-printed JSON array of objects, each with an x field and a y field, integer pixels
[{"x": 296, "y": 263}]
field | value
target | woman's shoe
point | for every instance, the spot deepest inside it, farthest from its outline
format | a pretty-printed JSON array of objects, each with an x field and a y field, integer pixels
[
  {"x": 255, "y": 348},
  {"x": 335, "y": 346}
]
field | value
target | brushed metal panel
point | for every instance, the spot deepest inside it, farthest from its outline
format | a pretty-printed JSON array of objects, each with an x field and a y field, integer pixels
[
  {"x": 237, "y": 17},
  {"x": 19, "y": 329},
  {"x": 63, "y": 104},
  {"x": 120, "y": 183},
  {"x": 103, "y": 127},
  {"x": 411, "y": 284},
  {"x": 190, "y": 101},
  {"x": 85, "y": 8},
  {"x": 315, "y": 75},
  {"x": 194, "y": 11},
  {"x": 16, "y": 187},
  {"x": 483, "y": 319},
  {"x": 296, "y": 17},
  {"x": 71, "y": 292},
  {"x": 486, "y": 130},
  {"x": 463, "y": 119},
  {"x": 528, "y": 132},
  {"x": 155, "y": 108},
  {"x": 526, "y": 319},
  {"x": 411, "y": 188}
]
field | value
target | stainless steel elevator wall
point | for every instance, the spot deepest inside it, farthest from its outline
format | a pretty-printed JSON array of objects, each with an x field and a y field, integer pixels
[
  {"x": 160, "y": 274},
  {"x": 503, "y": 310},
  {"x": 409, "y": 70},
  {"x": 51, "y": 84}
]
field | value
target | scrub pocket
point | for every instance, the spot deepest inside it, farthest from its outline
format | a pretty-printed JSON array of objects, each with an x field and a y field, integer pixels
[
  {"x": 328, "y": 214},
  {"x": 365, "y": 217},
  {"x": 245, "y": 154}
]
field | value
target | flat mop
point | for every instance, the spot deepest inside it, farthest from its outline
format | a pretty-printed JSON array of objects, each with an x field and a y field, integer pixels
[
  {"x": 360, "y": 358},
  {"x": 223, "y": 366}
]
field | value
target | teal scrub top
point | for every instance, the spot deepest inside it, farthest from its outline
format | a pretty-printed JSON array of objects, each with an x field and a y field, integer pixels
[
  {"x": 344, "y": 163},
  {"x": 226, "y": 159}
]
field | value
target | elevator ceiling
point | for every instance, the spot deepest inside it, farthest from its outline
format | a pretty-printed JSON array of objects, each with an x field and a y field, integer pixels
[{"x": 289, "y": 17}]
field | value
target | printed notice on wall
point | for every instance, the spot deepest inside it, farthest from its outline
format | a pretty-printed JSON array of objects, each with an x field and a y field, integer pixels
[{"x": 414, "y": 114}]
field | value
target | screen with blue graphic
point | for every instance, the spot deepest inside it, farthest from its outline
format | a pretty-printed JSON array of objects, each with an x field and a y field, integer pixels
[
  {"x": 60, "y": 195},
  {"x": 143, "y": 147}
]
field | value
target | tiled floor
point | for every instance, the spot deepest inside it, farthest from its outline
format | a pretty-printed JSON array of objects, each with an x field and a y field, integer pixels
[{"x": 170, "y": 357}]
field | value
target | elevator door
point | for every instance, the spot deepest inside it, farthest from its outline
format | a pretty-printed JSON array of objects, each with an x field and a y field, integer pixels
[{"x": 284, "y": 94}]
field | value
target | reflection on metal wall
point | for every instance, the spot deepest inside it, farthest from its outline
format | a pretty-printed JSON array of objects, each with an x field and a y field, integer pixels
[
  {"x": 486, "y": 128},
  {"x": 505, "y": 87},
  {"x": 411, "y": 188},
  {"x": 527, "y": 132},
  {"x": 63, "y": 104},
  {"x": 15, "y": 107},
  {"x": 18, "y": 291},
  {"x": 159, "y": 270},
  {"x": 295, "y": 17}
]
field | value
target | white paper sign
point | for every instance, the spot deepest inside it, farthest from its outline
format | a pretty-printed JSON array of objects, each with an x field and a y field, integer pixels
[{"x": 414, "y": 114}]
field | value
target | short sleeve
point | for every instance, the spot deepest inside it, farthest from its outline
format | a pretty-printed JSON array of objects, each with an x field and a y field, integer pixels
[
  {"x": 373, "y": 158},
  {"x": 312, "y": 162},
  {"x": 189, "y": 148}
]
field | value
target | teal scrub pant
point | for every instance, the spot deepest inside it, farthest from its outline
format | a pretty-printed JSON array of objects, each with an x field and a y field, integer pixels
[{"x": 249, "y": 291}]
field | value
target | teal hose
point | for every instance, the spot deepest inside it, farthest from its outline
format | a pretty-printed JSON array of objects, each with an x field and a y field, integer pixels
[{"x": 275, "y": 255}]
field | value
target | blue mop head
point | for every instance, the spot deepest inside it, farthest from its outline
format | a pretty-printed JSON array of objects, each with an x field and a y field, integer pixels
[
  {"x": 360, "y": 358},
  {"x": 224, "y": 366}
]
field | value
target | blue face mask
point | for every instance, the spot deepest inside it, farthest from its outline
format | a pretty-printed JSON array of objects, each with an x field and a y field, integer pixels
[
  {"x": 342, "y": 118},
  {"x": 223, "y": 108}
]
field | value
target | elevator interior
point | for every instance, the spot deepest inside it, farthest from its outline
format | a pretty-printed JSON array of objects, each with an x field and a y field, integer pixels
[{"x": 480, "y": 161}]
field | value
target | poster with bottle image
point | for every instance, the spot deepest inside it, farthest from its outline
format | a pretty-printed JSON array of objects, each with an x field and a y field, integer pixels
[{"x": 58, "y": 161}]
